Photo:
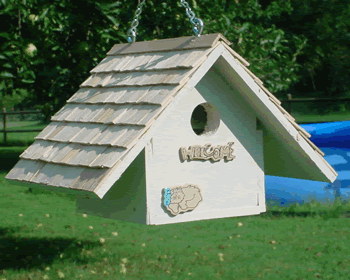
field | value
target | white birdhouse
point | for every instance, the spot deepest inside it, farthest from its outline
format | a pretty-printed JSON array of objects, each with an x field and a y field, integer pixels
[{"x": 170, "y": 131}]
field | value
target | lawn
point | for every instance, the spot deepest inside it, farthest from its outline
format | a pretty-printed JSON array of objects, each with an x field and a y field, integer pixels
[
  {"x": 333, "y": 117},
  {"x": 42, "y": 237}
]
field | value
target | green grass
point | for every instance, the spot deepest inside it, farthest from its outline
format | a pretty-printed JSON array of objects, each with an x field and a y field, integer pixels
[
  {"x": 42, "y": 237},
  {"x": 333, "y": 117}
]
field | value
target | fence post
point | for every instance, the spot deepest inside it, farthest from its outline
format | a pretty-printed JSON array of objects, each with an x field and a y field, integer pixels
[
  {"x": 4, "y": 122},
  {"x": 289, "y": 107}
]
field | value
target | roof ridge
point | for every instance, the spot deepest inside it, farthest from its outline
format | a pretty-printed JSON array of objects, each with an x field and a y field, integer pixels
[{"x": 170, "y": 44}]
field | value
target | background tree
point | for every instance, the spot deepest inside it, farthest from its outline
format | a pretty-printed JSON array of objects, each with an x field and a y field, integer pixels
[
  {"x": 48, "y": 47},
  {"x": 326, "y": 56}
]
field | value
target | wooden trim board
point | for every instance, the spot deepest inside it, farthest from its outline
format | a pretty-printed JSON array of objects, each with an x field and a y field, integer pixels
[{"x": 262, "y": 104}]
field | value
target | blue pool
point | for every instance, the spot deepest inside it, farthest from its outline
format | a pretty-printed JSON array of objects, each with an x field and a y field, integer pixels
[{"x": 334, "y": 140}]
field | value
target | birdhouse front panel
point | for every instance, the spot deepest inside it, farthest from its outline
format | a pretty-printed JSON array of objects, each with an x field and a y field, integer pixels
[{"x": 222, "y": 163}]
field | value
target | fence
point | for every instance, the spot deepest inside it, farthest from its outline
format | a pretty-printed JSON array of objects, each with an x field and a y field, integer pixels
[
  {"x": 4, "y": 118},
  {"x": 289, "y": 101}
]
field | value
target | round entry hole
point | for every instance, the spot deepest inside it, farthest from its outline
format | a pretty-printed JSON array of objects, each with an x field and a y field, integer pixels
[{"x": 205, "y": 119}]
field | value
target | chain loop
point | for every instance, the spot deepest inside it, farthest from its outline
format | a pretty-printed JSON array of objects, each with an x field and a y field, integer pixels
[
  {"x": 132, "y": 31},
  {"x": 197, "y": 22}
]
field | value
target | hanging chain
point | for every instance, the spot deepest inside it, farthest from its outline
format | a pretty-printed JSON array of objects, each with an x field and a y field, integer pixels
[
  {"x": 197, "y": 22},
  {"x": 132, "y": 31}
]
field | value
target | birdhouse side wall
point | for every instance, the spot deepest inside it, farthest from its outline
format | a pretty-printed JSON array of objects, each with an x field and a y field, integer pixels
[{"x": 126, "y": 200}]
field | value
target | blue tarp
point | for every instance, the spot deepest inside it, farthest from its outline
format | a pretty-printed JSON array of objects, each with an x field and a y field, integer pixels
[{"x": 334, "y": 140}]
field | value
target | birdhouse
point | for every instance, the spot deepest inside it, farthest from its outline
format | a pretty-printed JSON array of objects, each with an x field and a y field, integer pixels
[{"x": 170, "y": 131}]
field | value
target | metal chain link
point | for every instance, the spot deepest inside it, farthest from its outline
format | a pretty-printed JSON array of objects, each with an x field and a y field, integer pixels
[
  {"x": 197, "y": 22},
  {"x": 132, "y": 31}
]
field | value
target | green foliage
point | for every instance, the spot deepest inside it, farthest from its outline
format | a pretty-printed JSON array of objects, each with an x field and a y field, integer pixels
[
  {"x": 326, "y": 56},
  {"x": 48, "y": 47}
]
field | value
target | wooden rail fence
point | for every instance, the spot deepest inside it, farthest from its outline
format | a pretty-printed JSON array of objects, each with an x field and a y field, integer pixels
[
  {"x": 4, "y": 119},
  {"x": 288, "y": 102}
]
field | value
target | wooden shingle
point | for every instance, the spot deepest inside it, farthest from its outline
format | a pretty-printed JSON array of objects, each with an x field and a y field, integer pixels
[
  {"x": 57, "y": 175},
  {"x": 192, "y": 42},
  {"x": 89, "y": 132},
  {"x": 24, "y": 170},
  {"x": 109, "y": 157},
  {"x": 68, "y": 132},
  {"x": 109, "y": 135},
  {"x": 64, "y": 112},
  {"x": 85, "y": 155},
  {"x": 37, "y": 149},
  {"x": 88, "y": 179},
  {"x": 48, "y": 130},
  {"x": 82, "y": 95}
]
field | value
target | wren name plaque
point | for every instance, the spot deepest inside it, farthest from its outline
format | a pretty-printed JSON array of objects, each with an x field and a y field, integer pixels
[{"x": 208, "y": 152}]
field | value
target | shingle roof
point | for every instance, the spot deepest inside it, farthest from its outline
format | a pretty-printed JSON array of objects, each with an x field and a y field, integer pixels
[{"x": 115, "y": 107}]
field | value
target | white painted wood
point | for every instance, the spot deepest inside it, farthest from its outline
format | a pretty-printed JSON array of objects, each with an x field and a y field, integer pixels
[
  {"x": 235, "y": 54},
  {"x": 300, "y": 129},
  {"x": 223, "y": 184},
  {"x": 126, "y": 199},
  {"x": 270, "y": 94},
  {"x": 313, "y": 145},
  {"x": 280, "y": 144},
  {"x": 210, "y": 214}
]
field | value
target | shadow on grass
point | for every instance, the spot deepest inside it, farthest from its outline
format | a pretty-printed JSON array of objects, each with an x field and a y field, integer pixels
[
  {"x": 335, "y": 212},
  {"x": 9, "y": 158},
  {"x": 28, "y": 253},
  {"x": 17, "y": 143}
]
